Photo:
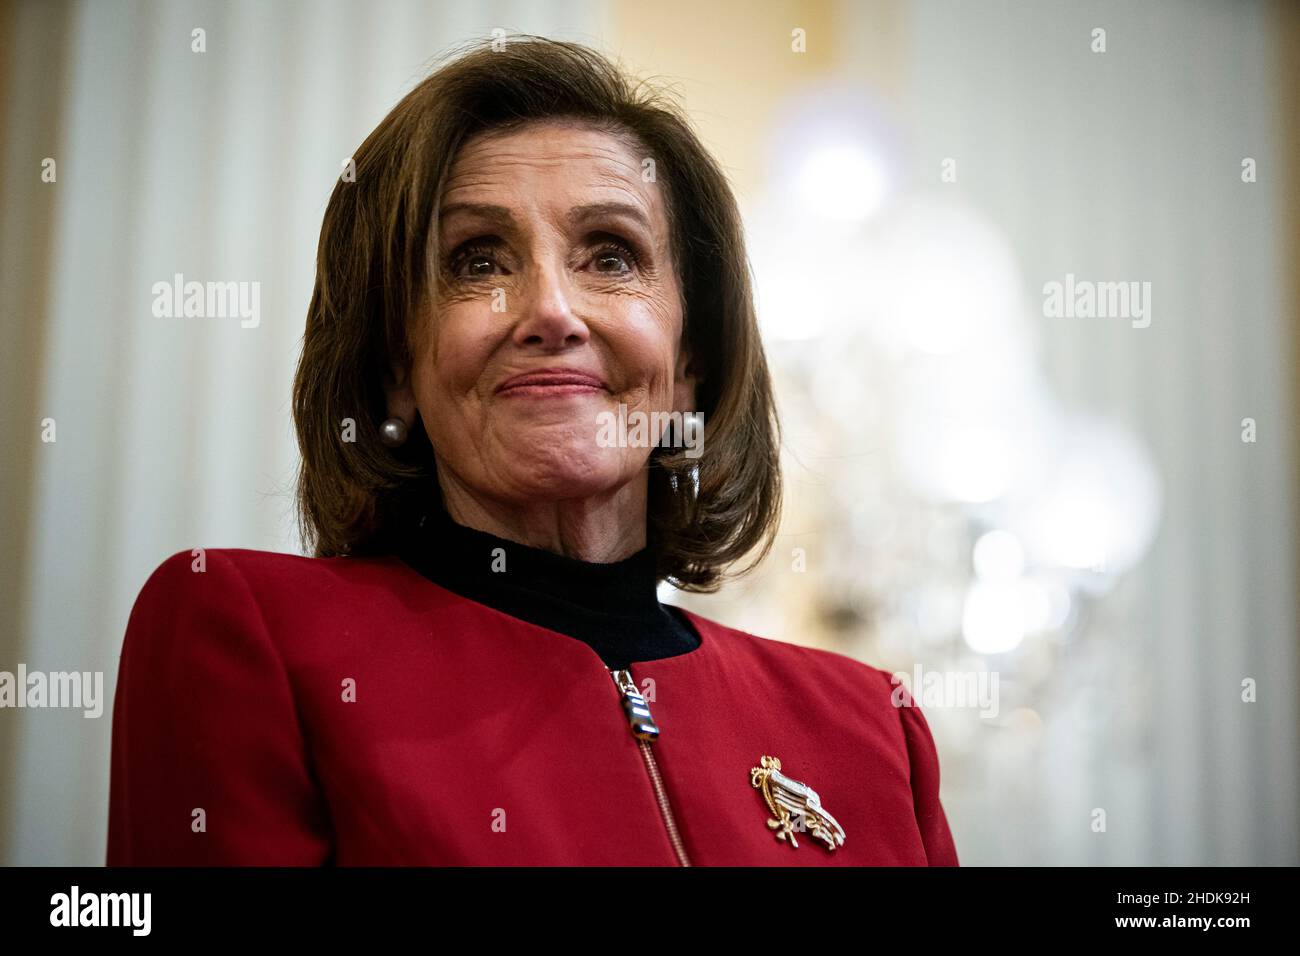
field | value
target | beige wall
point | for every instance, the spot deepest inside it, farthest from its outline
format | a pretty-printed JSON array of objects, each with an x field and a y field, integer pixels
[{"x": 732, "y": 63}]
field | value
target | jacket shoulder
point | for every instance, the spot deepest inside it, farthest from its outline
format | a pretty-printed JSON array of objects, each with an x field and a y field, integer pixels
[
  {"x": 185, "y": 597},
  {"x": 781, "y": 653},
  {"x": 227, "y": 572},
  {"x": 205, "y": 705},
  {"x": 249, "y": 561}
]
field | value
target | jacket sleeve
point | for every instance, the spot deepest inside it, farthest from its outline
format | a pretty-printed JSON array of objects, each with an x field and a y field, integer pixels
[
  {"x": 924, "y": 759},
  {"x": 208, "y": 763}
]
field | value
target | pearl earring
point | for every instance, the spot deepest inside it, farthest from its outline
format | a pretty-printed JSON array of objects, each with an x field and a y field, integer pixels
[{"x": 393, "y": 432}]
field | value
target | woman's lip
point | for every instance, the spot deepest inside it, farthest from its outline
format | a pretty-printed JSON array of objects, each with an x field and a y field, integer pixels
[
  {"x": 550, "y": 380},
  {"x": 544, "y": 390}
]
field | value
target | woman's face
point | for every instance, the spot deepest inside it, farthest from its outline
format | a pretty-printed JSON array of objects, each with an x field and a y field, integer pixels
[{"x": 554, "y": 256}]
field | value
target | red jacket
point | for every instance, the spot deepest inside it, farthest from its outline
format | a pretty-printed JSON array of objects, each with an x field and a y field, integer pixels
[{"x": 275, "y": 709}]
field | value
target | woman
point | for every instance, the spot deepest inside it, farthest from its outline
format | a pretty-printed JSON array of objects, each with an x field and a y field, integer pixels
[{"x": 475, "y": 667}]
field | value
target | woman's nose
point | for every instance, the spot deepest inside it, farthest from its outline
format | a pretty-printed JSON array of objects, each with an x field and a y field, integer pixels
[{"x": 546, "y": 312}]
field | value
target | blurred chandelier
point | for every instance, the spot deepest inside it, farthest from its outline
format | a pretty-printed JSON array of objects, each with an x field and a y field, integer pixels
[{"x": 962, "y": 515}]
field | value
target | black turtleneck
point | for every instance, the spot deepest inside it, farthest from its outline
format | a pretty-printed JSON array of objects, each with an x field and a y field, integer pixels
[{"x": 612, "y": 607}]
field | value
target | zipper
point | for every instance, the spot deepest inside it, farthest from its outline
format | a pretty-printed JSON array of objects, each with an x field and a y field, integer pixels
[{"x": 644, "y": 729}]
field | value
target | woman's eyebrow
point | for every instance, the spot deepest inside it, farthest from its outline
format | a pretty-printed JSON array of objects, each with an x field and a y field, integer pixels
[
  {"x": 581, "y": 214},
  {"x": 497, "y": 214}
]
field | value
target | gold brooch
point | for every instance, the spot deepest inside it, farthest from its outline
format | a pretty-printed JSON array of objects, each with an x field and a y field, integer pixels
[{"x": 794, "y": 805}]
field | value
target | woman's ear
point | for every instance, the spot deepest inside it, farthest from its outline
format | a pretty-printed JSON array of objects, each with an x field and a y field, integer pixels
[
  {"x": 400, "y": 395},
  {"x": 684, "y": 382}
]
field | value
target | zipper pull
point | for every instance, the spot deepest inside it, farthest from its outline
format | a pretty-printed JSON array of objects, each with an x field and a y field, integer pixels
[{"x": 635, "y": 706}]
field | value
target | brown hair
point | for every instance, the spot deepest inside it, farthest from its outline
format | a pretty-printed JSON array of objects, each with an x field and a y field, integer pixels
[{"x": 373, "y": 276}]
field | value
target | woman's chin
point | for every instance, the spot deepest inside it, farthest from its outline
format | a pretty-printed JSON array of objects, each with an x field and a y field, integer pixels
[{"x": 551, "y": 474}]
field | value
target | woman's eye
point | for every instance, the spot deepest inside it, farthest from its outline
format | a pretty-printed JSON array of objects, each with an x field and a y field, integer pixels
[
  {"x": 476, "y": 266},
  {"x": 614, "y": 259},
  {"x": 479, "y": 262},
  {"x": 473, "y": 262}
]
